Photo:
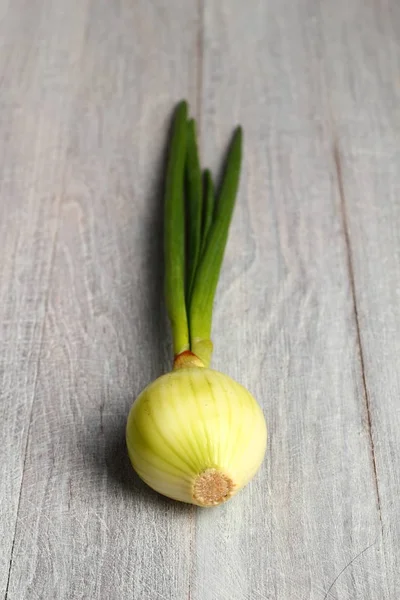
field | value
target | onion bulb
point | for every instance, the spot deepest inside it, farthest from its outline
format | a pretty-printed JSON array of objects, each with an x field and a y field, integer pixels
[{"x": 195, "y": 434}]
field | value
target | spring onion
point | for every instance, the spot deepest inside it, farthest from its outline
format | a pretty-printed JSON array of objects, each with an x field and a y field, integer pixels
[{"x": 195, "y": 434}]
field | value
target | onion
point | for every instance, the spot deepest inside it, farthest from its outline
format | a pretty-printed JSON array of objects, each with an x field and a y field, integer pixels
[{"x": 195, "y": 434}]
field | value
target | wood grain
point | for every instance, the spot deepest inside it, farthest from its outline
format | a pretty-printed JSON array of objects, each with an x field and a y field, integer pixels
[
  {"x": 365, "y": 100},
  {"x": 86, "y": 528},
  {"x": 309, "y": 525},
  {"x": 306, "y": 314},
  {"x": 37, "y": 83}
]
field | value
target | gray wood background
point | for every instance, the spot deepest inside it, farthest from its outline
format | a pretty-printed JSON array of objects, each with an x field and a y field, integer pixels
[{"x": 307, "y": 314}]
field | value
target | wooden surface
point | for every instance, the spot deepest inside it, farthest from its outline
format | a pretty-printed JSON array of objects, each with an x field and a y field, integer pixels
[{"x": 307, "y": 314}]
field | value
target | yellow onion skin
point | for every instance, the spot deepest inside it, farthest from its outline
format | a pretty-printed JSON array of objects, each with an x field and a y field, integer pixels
[{"x": 196, "y": 435}]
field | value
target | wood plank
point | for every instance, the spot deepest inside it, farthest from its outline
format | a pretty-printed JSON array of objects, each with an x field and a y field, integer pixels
[
  {"x": 87, "y": 528},
  {"x": 308, "y": 527},
  {"x": 363, "y": 78},
  {"x": 37, "y": 82}
]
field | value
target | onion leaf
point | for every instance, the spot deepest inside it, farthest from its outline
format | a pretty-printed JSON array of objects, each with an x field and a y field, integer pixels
[
  {"x": 194, "y": 206},
  {"x": 208, "y": 208},
  {"x": 206, "y": 280},
  {"x": 174, "y": 231}
]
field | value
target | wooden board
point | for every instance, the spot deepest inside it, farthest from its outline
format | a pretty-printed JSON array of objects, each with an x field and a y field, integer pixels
[
  {"x": 306, "y": 314},
  {"x": 366, "y": 127},
  {"x": 285, "y": 324},
  {"x": 37, "y": 64},
  {"x": 86, "y": 528}
]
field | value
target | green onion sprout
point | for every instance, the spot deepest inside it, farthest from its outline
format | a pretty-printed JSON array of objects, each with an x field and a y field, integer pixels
[{"x": 195, "y": 434}]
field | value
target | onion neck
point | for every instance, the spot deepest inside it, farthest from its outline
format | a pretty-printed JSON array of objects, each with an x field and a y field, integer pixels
[
  {"x": 186, "y": 360},
  {"x": 203, "y": 348}
]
